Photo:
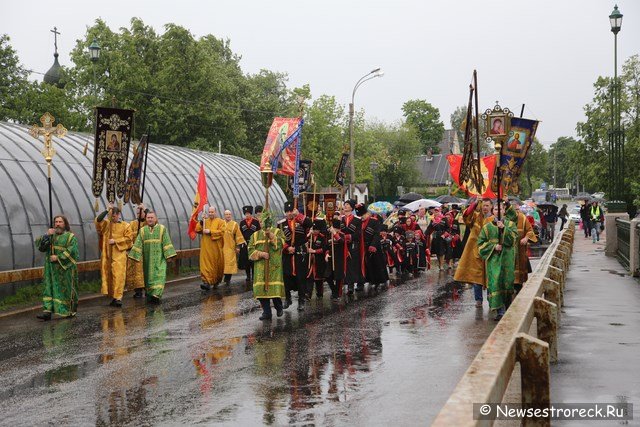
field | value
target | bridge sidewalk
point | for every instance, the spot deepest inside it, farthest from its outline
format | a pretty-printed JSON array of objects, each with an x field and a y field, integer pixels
[{"x": 599, "y": 338}]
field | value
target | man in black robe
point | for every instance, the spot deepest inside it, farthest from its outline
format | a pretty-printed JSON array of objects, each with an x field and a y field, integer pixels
[
  {"x": 351, "y": 226},
  {"x": 248, "y": 226},
  {"x": 295, "y": 227}
]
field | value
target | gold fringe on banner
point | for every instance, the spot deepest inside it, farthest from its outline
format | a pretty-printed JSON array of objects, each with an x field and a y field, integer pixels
[{"x": 96, "y": 206}]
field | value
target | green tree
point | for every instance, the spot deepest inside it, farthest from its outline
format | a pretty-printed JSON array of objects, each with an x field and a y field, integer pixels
[
  {"x": 535, "y": 168},
  {"x": 424, "y": 118},
  {"x": 13, "y": 82}
]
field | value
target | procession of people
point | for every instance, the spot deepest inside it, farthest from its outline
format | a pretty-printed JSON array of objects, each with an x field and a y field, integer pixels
[{"x": 302, "y": 252}]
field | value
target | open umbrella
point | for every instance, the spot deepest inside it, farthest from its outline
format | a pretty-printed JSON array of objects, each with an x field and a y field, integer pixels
[
  {"x": 380, "y": 207},
  {"x": 547, "y": 205},
  {"x": 410, "y": 197},
  {"x": 444, "y": 199},
  {"x": 585, "y": 197},
  {"x": 422, "y": 203}
]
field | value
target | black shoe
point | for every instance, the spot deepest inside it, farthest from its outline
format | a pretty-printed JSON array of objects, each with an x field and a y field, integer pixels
[
  {"x": 279, "y": 312},
  {"x": 287, "y": 304},
  {"x": 227, "y": 282},
  {"x": 153, "y": 300},
  {"x": 498, "y": 317},
  {"x": 44, "y": 316},
  {"x": 205, "y": 287},
  {"x": 265, "y": 317},
  {"x": 300, "y": 306},
  {"x": 116, "y": 303},
  {"x": 137, "y": 293}
]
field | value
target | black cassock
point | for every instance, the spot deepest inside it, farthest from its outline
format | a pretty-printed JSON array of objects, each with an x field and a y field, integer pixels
[
  {"x": 375, "y": 262},
  {"x": 295, "y": 266},
  {"x": 247, "y": 229},
  {"x": 335, "y": 267},
  {"x": 351, "y": 226}
]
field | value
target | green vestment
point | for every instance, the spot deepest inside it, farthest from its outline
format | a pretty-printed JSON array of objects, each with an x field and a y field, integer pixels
[
  {"x": 275, "y": 286},
  {"x": 60, "y": 293},
  {"x": 500, "y": 266},
  {"x": 153, "y": 246}
]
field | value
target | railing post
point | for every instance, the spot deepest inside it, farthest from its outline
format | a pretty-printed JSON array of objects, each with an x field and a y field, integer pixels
[
  {"x": 552, "y": 293},
  {"x": 557, "y": 275},
  {"x": 533, "y": 355},
  {"x": 546, "y": 314}
]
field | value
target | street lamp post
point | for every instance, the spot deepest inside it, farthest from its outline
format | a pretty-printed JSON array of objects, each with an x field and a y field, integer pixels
[
  {"x": 616, "y": 134},
  {"x": 374, "y": 168},
  {"x": 94, "y": 55},
  {"x": 376, "y": 72}
]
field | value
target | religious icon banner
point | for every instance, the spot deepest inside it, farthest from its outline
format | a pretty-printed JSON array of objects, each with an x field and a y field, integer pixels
[
  {"x": 487, "y": 167},
  {"x": 114, "y": 128},
  {"x": 340, "y": 170},
  {"x": 135, "y": 172},
  {"x": 514, "y": 152},
  {"x": 303, "y": 178},
  {"x": 281, "y": 151}
]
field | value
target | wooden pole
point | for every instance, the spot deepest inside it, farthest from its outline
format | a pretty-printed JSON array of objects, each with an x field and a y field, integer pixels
[
  {"x": 267, "y": 183},
  {"x": 144, "y": 169}
]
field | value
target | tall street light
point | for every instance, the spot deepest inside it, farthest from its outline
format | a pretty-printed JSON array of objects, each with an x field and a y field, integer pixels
[
  {"x": 376, "y": 72},
  {"x": 94, "y": 55},
  {"x": 374, "y": 168},
  {"x": 616, "y": 134}
]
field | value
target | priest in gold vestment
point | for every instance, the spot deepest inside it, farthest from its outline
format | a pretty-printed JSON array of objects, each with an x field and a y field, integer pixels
[
  {"x": 115, "y": 241},
  {"x": 211, "y": 257}
]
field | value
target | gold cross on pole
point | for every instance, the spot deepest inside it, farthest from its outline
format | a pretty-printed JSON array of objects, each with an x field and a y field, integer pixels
[{"x": 48, "y": 130}]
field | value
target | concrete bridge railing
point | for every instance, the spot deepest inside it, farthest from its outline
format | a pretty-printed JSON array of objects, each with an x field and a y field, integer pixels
[{"x": 512, "y": 341}]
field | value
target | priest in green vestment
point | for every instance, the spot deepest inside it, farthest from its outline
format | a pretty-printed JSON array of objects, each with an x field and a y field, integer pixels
[
  {"x": 153, "y": 247},
  {"x": 497, "y": 249},
  {"x": 60, "y": 293},
  {"x": 265, "y": 250}
]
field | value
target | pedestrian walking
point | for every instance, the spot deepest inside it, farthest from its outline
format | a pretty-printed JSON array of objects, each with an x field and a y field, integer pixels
[
  {"x": 563, "y": 215},
  {"x": 596, "y": 216}
]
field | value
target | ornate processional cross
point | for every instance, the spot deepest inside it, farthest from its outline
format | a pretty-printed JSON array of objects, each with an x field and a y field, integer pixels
[{"x": 48, "y": 130}]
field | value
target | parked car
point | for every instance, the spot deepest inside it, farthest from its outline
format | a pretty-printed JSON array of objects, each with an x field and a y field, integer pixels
[{"x": 574, "y": 214}]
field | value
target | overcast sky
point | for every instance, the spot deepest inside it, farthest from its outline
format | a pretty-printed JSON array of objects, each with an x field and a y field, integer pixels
[{"x": 546, "y": 54}]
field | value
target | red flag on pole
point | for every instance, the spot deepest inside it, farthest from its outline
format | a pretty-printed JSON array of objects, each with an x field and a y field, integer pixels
[{"x": 199, "y": 200}]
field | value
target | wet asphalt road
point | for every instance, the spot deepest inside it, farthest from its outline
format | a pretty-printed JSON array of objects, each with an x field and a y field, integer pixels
[{"x": 387, "y": 357}]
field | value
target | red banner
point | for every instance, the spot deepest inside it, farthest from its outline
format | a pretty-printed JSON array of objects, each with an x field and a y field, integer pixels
[
  {"x": 280, "y": 135},
  {"x": 487, "y": 166},
  {"x": 199, "y": 200}
]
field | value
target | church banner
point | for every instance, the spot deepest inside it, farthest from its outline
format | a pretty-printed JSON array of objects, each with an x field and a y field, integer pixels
[
  {"x": 303, "y": 178},
  {"x": 487, "y": 167},
  {"x": 514, "y": 153},
  {"x": 281, "y": 152},
  {"x": 340, "y": 170},
  {"x": 135, "y": 172},
  {"x": 114, "y": 128}
]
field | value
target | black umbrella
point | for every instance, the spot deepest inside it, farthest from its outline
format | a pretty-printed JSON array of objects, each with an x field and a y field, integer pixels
[
  {"x": 399, "y": 203},
  {"x": 547, "y": 205},
  {"x": 448, "y": 199},
  {"x": 410, "y": 197}
]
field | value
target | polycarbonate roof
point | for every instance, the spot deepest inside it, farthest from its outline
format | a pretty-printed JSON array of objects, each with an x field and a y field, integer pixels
[{"x": 169, "y": 189}]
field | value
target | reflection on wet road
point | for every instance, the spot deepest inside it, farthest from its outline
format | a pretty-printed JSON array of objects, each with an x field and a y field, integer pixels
[{"x": 388, "y": 356}]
